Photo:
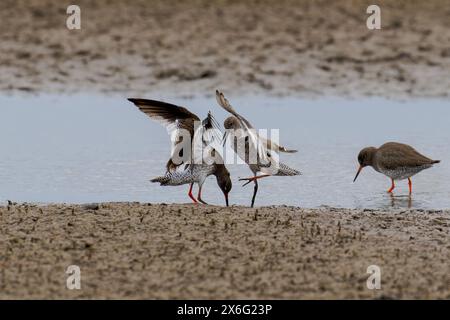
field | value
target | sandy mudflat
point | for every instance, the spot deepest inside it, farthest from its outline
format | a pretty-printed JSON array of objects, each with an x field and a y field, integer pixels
[
  {"x": 131, "y": 250},
  {"x": 185, "y": 48},
  {"x": 188, "y": 48}
]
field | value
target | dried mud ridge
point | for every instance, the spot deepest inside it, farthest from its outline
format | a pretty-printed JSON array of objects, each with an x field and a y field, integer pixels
[{"x": 133, "y": 250}]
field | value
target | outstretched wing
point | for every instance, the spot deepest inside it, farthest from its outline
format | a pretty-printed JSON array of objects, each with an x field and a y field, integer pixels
[
  {"x": 207, "y": 138},
  {"x": 223, "y": 102},
  {"x": 246, "y": 126},
  {"x": 276, "y": 147},
  {"x": 169, "y": 115},
  {"x": 269, "y": 144},
  {"x": 174, "y": 118}
]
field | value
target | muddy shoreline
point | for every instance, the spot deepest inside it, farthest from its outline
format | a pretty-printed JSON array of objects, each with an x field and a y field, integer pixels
[
  {"x": 181, "y": 251},
  {"x": 184, "y": 251},
  {"x": 190, "y": 48}
]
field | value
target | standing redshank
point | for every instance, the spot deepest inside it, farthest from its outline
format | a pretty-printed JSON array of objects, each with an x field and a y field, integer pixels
[
  {"x": 247, "y": 142},
  {"x": 398, "y": 161},
  {"x": 176, "y": 118}
]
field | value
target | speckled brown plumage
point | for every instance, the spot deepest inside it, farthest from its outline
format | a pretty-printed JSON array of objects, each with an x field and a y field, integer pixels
[{"x": 396, "y": 160}]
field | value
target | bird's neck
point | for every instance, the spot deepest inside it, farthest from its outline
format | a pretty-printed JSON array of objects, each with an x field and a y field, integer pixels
[{"x": 371, "y": 160}]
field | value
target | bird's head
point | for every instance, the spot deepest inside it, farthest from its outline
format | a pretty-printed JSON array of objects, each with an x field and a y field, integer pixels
[
  {"x": 365, "y": 158},
  {"x": 223, "y": 180},
  {"x": 231, "y": 123}
]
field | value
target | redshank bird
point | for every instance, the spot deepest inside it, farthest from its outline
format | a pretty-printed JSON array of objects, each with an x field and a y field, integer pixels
[
  {"x": 177, "y": 118},
  {"x": 247, "y": 142},
  {"x": 197, "y": 173},
  {"x": 398, "y": 161}
]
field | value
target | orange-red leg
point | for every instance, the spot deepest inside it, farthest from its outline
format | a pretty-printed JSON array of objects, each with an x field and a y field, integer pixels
[
  {"x": 392, "y": 187},
  {"x": 190, "y": 193},
  {"x": 410, "y": 186},
  {"x": 253, "y": 179}
]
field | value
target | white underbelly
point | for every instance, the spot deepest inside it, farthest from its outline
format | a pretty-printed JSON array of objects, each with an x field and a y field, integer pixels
[{"x": 403, "y": 172}]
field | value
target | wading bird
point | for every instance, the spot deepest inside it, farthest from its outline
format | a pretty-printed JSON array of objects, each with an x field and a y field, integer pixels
[
  {"x": 175, "y": 119},
  {"x": 398, "y": 161},
  {"x": 247, "y": 142}
]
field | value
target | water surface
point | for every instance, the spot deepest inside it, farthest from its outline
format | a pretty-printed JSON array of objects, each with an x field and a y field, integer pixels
[{"x": 92, "y": 148}]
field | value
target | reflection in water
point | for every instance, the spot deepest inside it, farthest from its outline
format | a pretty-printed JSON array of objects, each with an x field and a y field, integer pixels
[
  {"x": 92, "y": 148},
  {"x": 401, "y": 201}
]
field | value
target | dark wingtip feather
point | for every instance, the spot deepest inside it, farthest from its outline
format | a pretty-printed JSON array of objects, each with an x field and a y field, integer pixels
[
  {"x": 210, "y": 122},
  {"x": 436, "y": 161},
  {"x": 150, "y": 102},
  {"x": 213, "y": 120}
]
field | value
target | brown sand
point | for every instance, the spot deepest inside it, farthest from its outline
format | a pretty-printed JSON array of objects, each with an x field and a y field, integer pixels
[
  {"x": 131, "y": 250},
  {"x": 307, "y": 48},
  {"x": 185, "y": 48}
]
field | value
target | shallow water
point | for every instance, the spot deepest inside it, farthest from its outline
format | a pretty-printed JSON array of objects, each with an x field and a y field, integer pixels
[{"x": 92, "y": 148}]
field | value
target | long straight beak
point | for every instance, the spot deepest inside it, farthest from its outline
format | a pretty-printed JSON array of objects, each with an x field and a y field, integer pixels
[
  {"x": 224, "y": 138},
  {"x": 226, "y": 199},
  {"x": 357, "y": 174}
]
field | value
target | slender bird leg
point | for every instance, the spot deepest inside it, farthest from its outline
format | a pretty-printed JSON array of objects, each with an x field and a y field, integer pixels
[
  {"x": 199, "y": 197},
  {"x": 253, "y": 179},
  {"x": 190, "y": 193},
  {"x": 392, "y": 187},
  {"x": 255, "y": 190},
  {"x": 410, "y": 186}
]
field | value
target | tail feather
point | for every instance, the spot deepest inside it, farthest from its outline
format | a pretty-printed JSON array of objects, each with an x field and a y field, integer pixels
[
  {"x": 275, "y": 147},
  {"x": 283, "y": 149},
  {"x": 436, "y": 161},
  {"x": 284, "y": 170},
  {"x": 162, "y": 180}
]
